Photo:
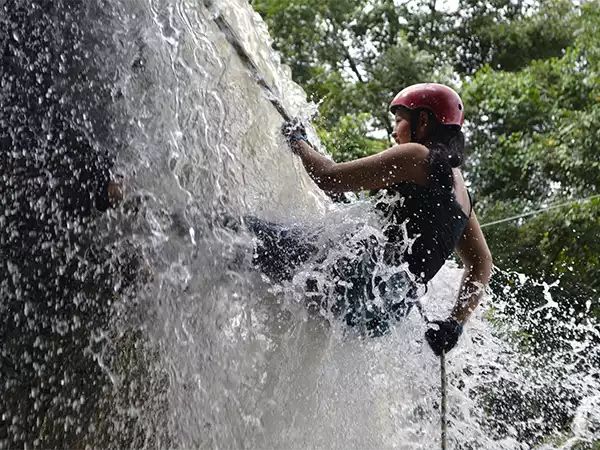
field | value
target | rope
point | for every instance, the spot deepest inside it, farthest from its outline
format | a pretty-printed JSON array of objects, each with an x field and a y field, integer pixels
[
  {"x": 533, "y": 213},
  {"x": 444, "y": 384},
  {"x": 444, "y": 401},
  {"x": 235, "y": 42}
]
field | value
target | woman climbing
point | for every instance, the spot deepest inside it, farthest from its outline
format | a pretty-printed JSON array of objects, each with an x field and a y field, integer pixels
[{"x": 426, "y": 203}]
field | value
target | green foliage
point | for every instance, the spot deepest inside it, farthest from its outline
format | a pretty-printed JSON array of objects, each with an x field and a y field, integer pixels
[
  {"x": 587, "y": 446},
  {"x": 535, "y": 142},
  {"x": 507, "y": 35},
  {"x": 351, "y": 56},
  {"x": 348, "y": 140},
  {"x": 535, "y": 128},
  {"x": 558, "y": 244}
]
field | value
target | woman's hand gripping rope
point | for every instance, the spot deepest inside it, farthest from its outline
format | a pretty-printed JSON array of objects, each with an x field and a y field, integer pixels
[
  {"x": 442, "y": 335},
  {"x": 293, "y": 132}
]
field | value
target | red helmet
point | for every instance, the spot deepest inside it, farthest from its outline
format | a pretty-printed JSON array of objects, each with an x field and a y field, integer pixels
[{"x": 441, "y": 100}]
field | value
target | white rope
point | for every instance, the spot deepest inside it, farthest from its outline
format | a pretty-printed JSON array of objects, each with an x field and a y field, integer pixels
[{"x": 532, "y": 213}]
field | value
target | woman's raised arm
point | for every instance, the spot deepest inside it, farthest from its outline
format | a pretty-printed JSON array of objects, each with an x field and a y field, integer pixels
[{"x": 405, "y": 162}]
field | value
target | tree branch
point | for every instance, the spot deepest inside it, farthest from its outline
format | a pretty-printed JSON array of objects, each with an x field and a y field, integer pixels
[
  {"x": 353, "y": 64},
  {"x": 346, "y": 53}
]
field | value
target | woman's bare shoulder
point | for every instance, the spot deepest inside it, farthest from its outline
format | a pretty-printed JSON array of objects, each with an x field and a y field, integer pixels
[{"x": 410, "y": 151}]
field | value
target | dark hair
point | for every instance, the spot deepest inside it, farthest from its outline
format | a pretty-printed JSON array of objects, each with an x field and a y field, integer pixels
[{"x": 446, "y": 146}]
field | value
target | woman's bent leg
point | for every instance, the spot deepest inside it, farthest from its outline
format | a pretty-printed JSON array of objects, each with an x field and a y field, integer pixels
[{"x": 281, "y": 249}]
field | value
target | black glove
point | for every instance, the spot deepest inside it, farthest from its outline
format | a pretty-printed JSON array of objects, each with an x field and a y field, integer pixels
[
  {"x": 293, "y": 131},
  {"x": 443, "y": 336}
]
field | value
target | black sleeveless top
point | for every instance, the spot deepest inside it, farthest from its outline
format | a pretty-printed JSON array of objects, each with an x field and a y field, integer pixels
[{"x": 430, "y": 217}]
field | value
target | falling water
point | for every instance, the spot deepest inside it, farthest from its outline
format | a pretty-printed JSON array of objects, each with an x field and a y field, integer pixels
[{"x": 146, "y": 326}]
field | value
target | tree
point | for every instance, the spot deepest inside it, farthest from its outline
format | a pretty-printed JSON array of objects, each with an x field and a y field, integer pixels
[
  {"x": 351, "y": 57},
  {"x": 535, "y": 143}
]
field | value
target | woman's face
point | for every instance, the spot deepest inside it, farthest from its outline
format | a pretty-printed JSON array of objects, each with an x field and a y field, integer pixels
[{"x": 401, "y": 132}]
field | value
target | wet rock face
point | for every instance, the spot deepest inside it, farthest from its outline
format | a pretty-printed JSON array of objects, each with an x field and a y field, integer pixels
[
  {"x": 68, "y": 377},
  {"x": 57, "y": 141},
  {"x": 54, "y": 108}
]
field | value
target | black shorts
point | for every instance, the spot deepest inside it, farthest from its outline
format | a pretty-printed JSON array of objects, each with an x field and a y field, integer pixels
[{"x": 355, "y": 289}]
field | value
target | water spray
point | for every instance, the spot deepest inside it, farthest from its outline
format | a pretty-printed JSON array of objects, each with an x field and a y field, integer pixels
[{"x": 234, "y": 40}]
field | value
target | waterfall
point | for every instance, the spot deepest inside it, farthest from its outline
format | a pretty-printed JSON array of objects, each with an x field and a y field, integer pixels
[{"x": 146, "y": 325}]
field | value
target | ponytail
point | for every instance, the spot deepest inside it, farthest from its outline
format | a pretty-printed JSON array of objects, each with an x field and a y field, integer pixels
[
  {"x": 446, "y": 153},
  {"x": 450, "y": 145}
]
